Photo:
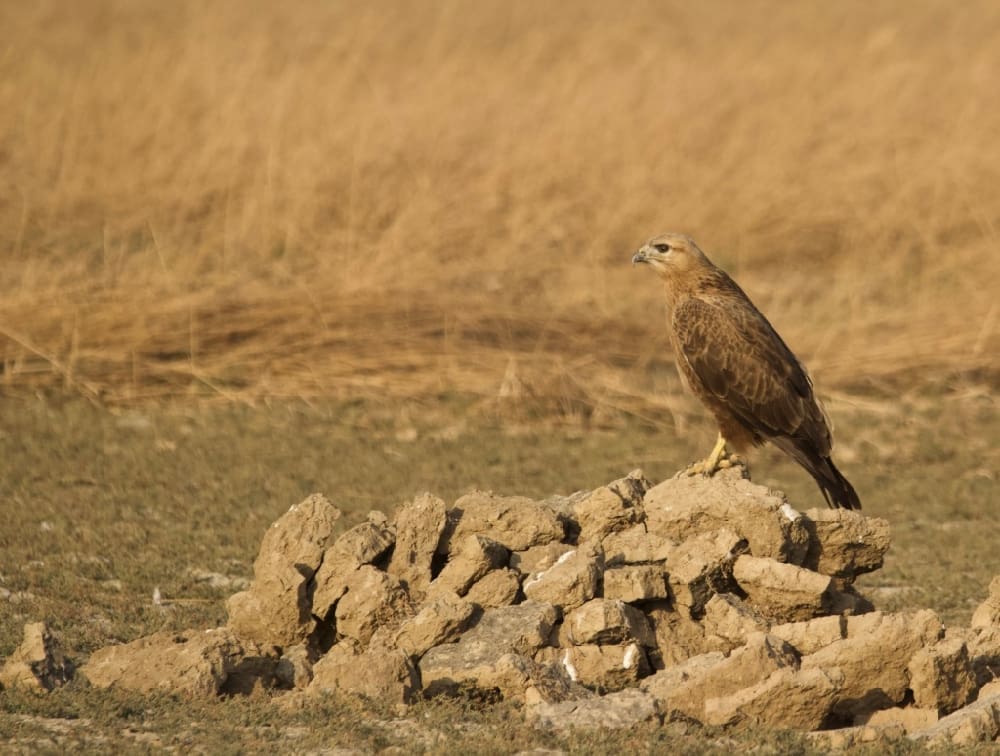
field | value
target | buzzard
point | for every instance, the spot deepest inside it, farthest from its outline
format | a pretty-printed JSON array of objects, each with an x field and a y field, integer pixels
[{"x": 731, "y": 357}]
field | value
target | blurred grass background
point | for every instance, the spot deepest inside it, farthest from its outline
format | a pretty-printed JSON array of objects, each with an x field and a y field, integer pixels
[{"x": 338, "y": 199}]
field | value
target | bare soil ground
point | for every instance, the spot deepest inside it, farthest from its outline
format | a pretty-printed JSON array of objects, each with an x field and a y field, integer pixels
[{"x": 102, "y": 507}]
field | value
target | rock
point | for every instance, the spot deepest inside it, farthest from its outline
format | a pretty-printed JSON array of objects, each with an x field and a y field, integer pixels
[
  {"x": 862, "y": 625},
  {"x": 37, "y": 663},
  {"x": 728, "y": 621},
  {"x": 439, "y": 621},
  {"x": 539, "y": 558},
  {"x": 330, "y": 585},
  {"x": 667, "y": 681},
  {"x": 473, "y": 557},
  {"x": 864, "y": 736},
  {"x": 255, "y": 672},
  {"x": 523, "y": 628},
  {"x": 611, "y": 508},
  {"x": 626, "y": 708},
  {"x": 420, "y": 525},
  {"x": 941, "y": 676},
  {"x": 809, "y": 636},
  {"x": 494, "y": 656},
  {"x": 515, "y": 521},
  {"x": 678, "y": 637},
  {"x": 571, "y": 581},
  {"x": 635, "y": 582},
  {"x": 276, "y": 609},
  {"x": 608, "y": 621},
  {"x": 844, "y": 543},
  {"x": 476, "y": 664},
  {"x": 207, "y": 578},
  {"x": 984, "y": 652},
  {"x": 557, "y": 658},
  {"x": 686, "y": 506},
  {"x": 197, "y": 662},
  {"x": 782, "y": 592},
  {"x": 563, "y": 507},
  {"x": 373, "y": 599},
  {"x": 909, "y": 718},
  {"x": 362, "y": 544},
  {"x": 294, "y": 669},
  {"x": 684, "y": 689},
  {"x": 787, "y": 699},
  {"x": 496, "y": 588},
  {"x": 635, "y": 546},
  {"x": 991, "y": 688},
  {"x": 603, "y": 668},
  {"x": 987, "y": 614},
  {"x": 702, "y": 566},
  {"x": 380, "y": 673},
  {"x": 848, "y": 601},
  {"x": 978, "y": 722},
  {"x": 551, "y": 683},
  {"x": 874, "y": 663},
  {"x": 298, "y": 539}
]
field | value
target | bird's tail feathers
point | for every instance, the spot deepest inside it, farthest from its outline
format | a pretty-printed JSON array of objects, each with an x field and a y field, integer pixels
[{"x": 836, "y": 489}]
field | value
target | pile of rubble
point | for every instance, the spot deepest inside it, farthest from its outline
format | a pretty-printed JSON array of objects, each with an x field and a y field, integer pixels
[{"x": 705, "y": 599}]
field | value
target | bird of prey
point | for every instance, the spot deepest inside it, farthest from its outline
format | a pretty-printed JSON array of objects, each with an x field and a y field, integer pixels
[{"x": 734, "y": 361}]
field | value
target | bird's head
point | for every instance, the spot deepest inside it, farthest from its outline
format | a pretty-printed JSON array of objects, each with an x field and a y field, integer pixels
[{"x": 669, "y": 254}]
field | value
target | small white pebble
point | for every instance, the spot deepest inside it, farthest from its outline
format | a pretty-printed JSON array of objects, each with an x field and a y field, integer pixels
[
  {"x": 568, "y": 665},
  {"x": 790, "y": 512},
  {"x": 630, "y": 654},
  {"x": 538, "y": 575},
  {"x": 563, "y": 558},
  {"x": 532, "y": 580}
]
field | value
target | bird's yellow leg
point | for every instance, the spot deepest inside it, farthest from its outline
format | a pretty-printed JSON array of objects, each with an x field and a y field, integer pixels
[{"x": 712, "y": 462}]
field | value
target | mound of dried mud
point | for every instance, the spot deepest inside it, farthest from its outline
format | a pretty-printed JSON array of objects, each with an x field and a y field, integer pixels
[{"x": 708, "y": 599}]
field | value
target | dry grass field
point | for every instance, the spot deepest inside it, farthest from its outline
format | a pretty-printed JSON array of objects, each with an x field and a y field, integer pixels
[
  {"x": 344, "y": 199},
  {"x": 389, "y": 244}
]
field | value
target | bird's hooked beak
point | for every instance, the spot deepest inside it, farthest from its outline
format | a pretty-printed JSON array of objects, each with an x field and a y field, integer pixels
[{"x": 647, "y": 254}]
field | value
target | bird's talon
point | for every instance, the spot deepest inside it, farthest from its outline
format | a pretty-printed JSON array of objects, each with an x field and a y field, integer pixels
[{"x": 695, "y": 468}]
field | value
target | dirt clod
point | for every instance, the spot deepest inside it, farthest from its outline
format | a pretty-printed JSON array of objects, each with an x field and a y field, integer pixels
[{"x": 37, "y": 663}]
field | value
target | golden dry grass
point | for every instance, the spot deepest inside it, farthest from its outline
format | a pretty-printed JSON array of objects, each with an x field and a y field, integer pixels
[{"x": 342, "y": 198}]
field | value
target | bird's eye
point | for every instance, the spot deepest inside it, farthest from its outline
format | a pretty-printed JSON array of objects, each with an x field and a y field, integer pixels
[{"x": 662, "y": 247}]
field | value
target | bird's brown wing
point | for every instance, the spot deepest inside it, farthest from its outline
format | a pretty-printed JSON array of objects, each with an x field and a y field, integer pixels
[{"x": 740, "y": 361}]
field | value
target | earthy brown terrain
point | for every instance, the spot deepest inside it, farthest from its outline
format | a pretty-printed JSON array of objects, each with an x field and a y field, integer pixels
[
  {"x": 252, "y": 253},
  {"x": 710, "y": 601}
]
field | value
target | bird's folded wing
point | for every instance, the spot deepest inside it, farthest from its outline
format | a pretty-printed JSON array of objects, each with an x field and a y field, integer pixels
[{"x": 740, "y": 360}]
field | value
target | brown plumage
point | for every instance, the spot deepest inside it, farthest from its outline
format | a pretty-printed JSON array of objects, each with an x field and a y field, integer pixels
[{"x": 735, "y": 362}]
